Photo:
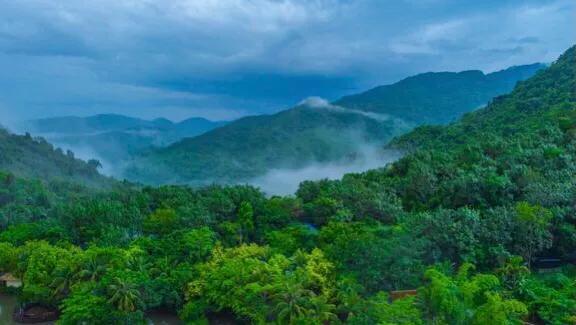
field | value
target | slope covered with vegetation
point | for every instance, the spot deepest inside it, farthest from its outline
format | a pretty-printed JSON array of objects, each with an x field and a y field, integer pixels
[
  {"x": 26, "y": 156},
  {"x": 297, "y": 137},
  {"x": 250, "y": 146},
  {"x": 439, "y": 97},
  {"x": 464, "y": 218}
]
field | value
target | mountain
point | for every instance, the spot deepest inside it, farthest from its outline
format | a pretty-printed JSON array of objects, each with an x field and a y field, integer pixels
[
  {"x": 438, "y": 97},
  {"x": 291, "y": 139},
  {"x": 29, "y": 157},
  {"x": 250, "y": 146},
  {"x": 113, "y": 138},
  {"x": 543, "y": 101},
  {"x": 319, "y": 132},
  {"x": 91, "y": 124}
]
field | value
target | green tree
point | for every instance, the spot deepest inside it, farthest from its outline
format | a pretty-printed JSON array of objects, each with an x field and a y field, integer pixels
[
  {"x": 124, "y": 295},
  {"x": 246, "y": 221},
  {"x": 533, "y": 233}
]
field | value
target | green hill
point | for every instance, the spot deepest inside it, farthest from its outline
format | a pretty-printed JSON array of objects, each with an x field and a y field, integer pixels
[
  {"x": 439, "y": 97},
  {"x": 29, "y": 157},
  {"x": 248, "y": 147},
  {"x": 536, "y": 104},
  {"x": 318, "y": 132},
  {"x": 519, "y": 148}
]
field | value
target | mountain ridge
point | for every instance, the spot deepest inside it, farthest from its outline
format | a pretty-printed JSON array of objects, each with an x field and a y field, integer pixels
[
  {"x": 251, "y": 146},
  {"x": 418, "y": 98}
]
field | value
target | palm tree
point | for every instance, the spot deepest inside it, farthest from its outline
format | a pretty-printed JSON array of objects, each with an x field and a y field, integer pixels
[
  {"x": 292, "y": 301},
  {"x": 61, "y": 283},
  {"x": 92, "y": 270},
  {"x": 162, "y": 266},
  {"x": 125, "y": 296},
  {"x": 138, "y": 264},
  {"x": 323, "y": 310}
]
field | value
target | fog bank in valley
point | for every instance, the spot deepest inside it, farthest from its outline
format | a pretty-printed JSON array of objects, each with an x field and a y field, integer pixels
[{"x": 286, "y": 181}]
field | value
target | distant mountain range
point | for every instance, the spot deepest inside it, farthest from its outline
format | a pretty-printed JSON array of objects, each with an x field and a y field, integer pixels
[
  {"x": 439, "y": 97},
  {"x": 112, "y": 137},
  {"x": 250, "y": 146},
  {"x": 198, "y": 151},
  {"x": 316, "y": 131}
]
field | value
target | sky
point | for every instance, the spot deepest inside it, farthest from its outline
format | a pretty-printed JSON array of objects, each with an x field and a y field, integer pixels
[{"x": 222, "y": 59}]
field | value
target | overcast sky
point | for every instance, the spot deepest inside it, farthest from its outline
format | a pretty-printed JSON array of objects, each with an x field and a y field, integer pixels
[{"x": 222, "y": 59}]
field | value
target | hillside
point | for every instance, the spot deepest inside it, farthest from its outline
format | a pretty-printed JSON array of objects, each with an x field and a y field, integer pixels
[
  {"x": 29, "y": 157},
  {"x": 520, "y": 148},
  {"x": 113, "y": 138},
  {"x": 249, "y": 146},
  {"x": 318, "y": 132},
  {"x": 439, "y": 97},
  {"x": 541, "y": 102}
]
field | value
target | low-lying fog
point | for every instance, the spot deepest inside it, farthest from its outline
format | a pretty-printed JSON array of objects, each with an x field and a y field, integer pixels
[
  {"x": 274, "y": 182},
  {"x": 286, "y": 181}
]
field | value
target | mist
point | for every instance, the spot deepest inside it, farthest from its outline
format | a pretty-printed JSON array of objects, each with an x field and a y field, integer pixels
[
  {"x": 286, "y": 181},
  {"x": 86, "y": 153}
]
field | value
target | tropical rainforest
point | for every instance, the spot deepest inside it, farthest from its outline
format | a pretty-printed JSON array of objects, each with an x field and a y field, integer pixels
[{"x": 464, "y": 219}]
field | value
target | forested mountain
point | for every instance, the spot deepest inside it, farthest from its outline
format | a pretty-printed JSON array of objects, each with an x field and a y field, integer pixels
[
  {"x": 439, "y": 97},
  {"x": 114, "y": 138},
  {"x": 91, "y": 124},
  {"x": 26, "y": 156},
  {"x": 320, "y": 132},
  {"x": 249, "y": 146},
  {"x": 467, "y": 221}
]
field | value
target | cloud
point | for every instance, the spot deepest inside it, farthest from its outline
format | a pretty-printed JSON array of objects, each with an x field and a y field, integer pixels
[
  {"x": 510, "y": 34},
  {"x": 225, "y": 58},
  {"x": 321, "y": 103},
  {"x": 286, "y": 181}
]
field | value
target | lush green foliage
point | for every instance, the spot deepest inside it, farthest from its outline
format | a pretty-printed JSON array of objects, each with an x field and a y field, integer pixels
[
  {"x": 462, "y": 219},
  {"x": 25, "y": 156}
]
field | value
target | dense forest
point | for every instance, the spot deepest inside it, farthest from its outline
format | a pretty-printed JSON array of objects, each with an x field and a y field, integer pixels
[{"x": 463, "y": 218}]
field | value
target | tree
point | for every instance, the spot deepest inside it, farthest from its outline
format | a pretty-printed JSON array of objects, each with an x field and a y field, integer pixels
[
  {"x": 162, "y": 222},
  {"x": 292, "y": 302},
  {"x": 513, "y": 273},
  {"x": 533, "y": 234},
  {"x": 124, "y": 295},
  {"x": 402, "y": 311},
  {"x": 497, "y": 310},
  {"x": 92, "y": 269},
  {"x": 94, "y": 164},
  {"x": 83, "y": 306},
  {"x": 468, "y": 299},
  {"x": 246, "y": 221},
  {"x": 63, "y": 280}
]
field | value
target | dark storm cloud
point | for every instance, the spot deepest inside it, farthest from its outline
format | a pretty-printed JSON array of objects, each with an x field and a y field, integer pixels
[{"x": 225, "y": 58}]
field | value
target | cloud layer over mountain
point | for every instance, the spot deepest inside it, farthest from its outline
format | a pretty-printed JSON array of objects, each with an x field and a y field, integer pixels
[{"x": 221, "y": 59}]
